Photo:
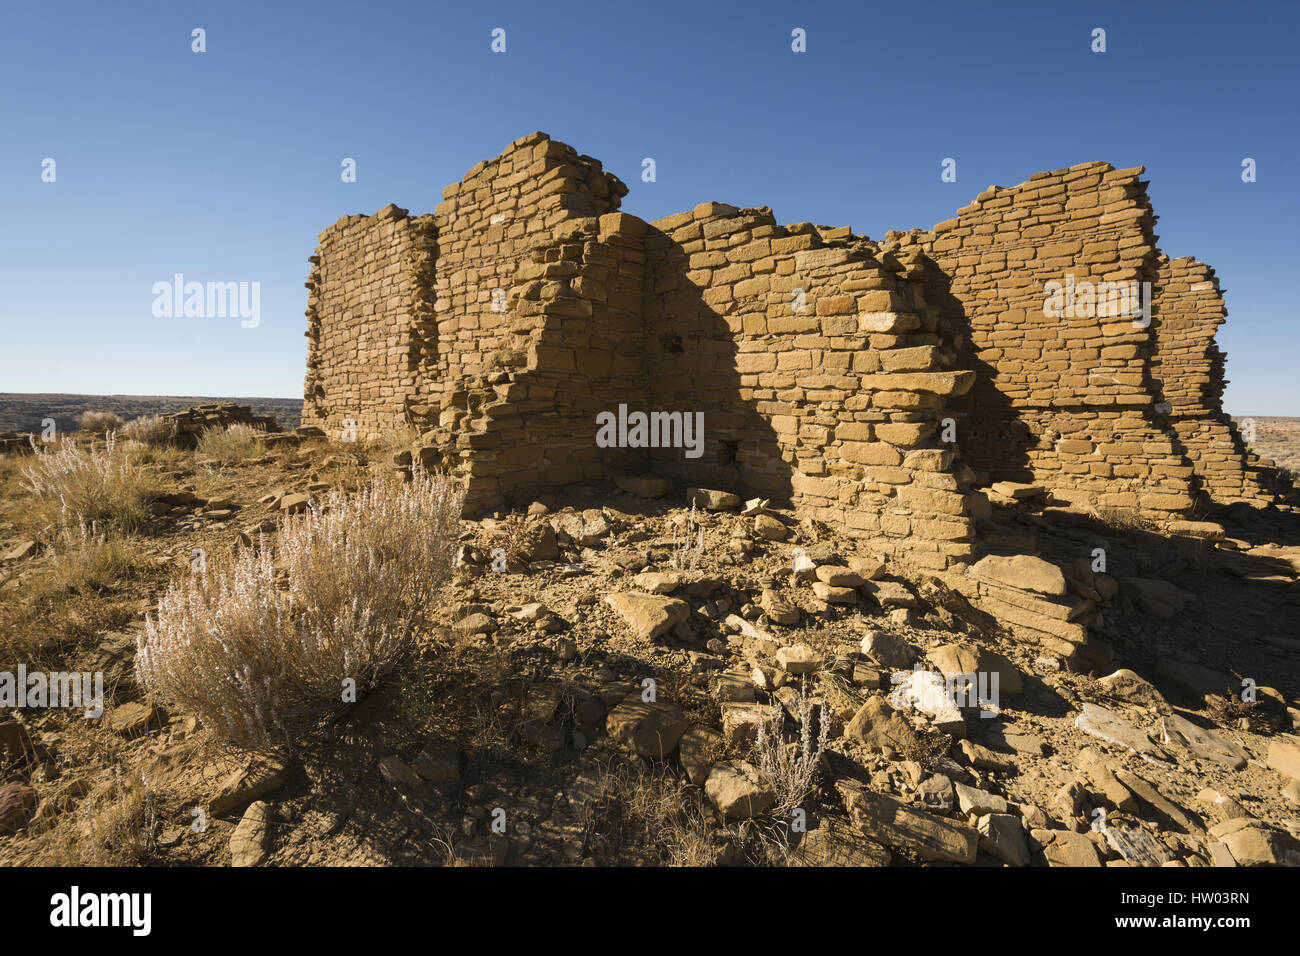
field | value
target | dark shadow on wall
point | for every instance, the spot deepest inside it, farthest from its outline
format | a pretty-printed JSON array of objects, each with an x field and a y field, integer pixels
[
  {"x": 992, "y": 436},
  {"x": 691, "y": 353}
]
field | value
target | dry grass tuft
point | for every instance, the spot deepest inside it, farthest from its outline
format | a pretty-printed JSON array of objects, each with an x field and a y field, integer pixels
[
  {"x": 231, "y": 444},
  {"x": 98, "y": 423},
  {"x": 152, "y": 430}
]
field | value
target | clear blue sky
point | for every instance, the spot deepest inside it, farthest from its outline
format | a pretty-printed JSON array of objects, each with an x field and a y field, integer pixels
[{"x": 225, "y": 165}]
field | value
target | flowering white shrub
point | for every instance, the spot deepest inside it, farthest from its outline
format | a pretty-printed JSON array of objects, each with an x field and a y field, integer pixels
[
  {"x": 76, "y": 485},
  {"x": 253, "y": 661}
]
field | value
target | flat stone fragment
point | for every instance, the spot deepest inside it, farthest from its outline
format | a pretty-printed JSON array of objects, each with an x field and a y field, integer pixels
[
  {"x": 648, "y": 615},
  {"x": 1071, "y": 849},
  {"x": 648, "y": 729},
  {"x": 877, "y": 726},
  {"x": 834, "y": 843},
  {"x": 248, "y": 844},
  {"x": 1154, "y": 799},
  {"x": 978, "y": 802},
  {"x": 1284, "y": 756},
  {"x": 260, "y": 775},
  {"x": 712, "y": 500},
  {"x": 1181, "y": 732},
  {"x": 885, "y": 820},
  {"x": 1112, "y": 728},
  {"x": 737, "y": 790},
  {"x": 889, "y": 649},
  {"x": 1002, "y": 835},
  {"x": 1137, "y": 846},
  {"x": 797, "y": 659},
  {"x": 890, "y": 593},
  {"x": 1022, "y": 571},
  {"x": 1253, "y": 843}
]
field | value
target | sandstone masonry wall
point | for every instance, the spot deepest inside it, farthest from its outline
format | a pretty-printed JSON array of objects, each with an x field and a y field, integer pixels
[
  {"x": 1187, "y": 367},
  {"x": 366, "y": 291},
  {"x": 870, "y": 384},
  {"x": 1066, "y": 401}
]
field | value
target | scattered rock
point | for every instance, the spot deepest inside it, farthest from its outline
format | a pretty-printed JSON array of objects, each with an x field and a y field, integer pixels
[
  {"x": 260, "y": 775},
  {"x": 248, "y": 844},
  {"x": 1112, "y": 728},
  {"x": 777, "y": 610},
  {"x": 890, "y": 594},
  {"x": 978, "y": 802},
  {"x": 1284, "y": 756},
  {"x": 1180, "y": 732},
  {"x": 877, "y": 726},
  {"x": 712, "y": 500},
  {"x": 15, "y": 800},
  {"x": 1252, "y": 843},
  {"x": 698, "y": 748},
  {"x": 1131, "y": 688},
  {"x": 1070, "y": 849},
  {"x": 659, "y": 582},
  {"x": 439, "y": 763},
  {"x": 1022, "y": 571},
  {"x": 834, "y": 843},
  {"x": 396, "y": 771},
  {"x": 648, "y": 729},
  {"x": 737, "y": 790},
  {"x": 477, "y": 623},
  {"x": 885, "y": 820},
  {"x": 889, "y": 649},
  {"x": 1137, "y": 846},
  {"x": 134, "y": 718},
  {"x": 838, "y": 576},
  {"x": 1002, "y": 835},
  {"x": 797, "y": 659},
  {"x": 649, "y": 615}
]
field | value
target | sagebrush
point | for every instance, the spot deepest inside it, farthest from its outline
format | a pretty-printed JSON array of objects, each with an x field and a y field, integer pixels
[
  {"x": 98, "y": 484},
  {"x": 258, "y": 663}
]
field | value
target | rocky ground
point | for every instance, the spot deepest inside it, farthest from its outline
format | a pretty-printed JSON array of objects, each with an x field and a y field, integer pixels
[
  {"x": 25, "y": 412},
  {"x": 623, "y": 676}
]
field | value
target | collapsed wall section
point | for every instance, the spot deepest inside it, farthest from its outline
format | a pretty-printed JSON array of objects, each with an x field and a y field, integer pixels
[
  {"x": 1062, "y": 399},
  {"x": 1188, "y": 368}
]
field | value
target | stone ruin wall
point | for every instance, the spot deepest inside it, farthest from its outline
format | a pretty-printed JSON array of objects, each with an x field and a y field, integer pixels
[
  {"x": 1188, "y": 368},
  {"x": 826, "y": 365},
  {"x": 1067, "y": 402},
  {"x": 364, "y": 334}
]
